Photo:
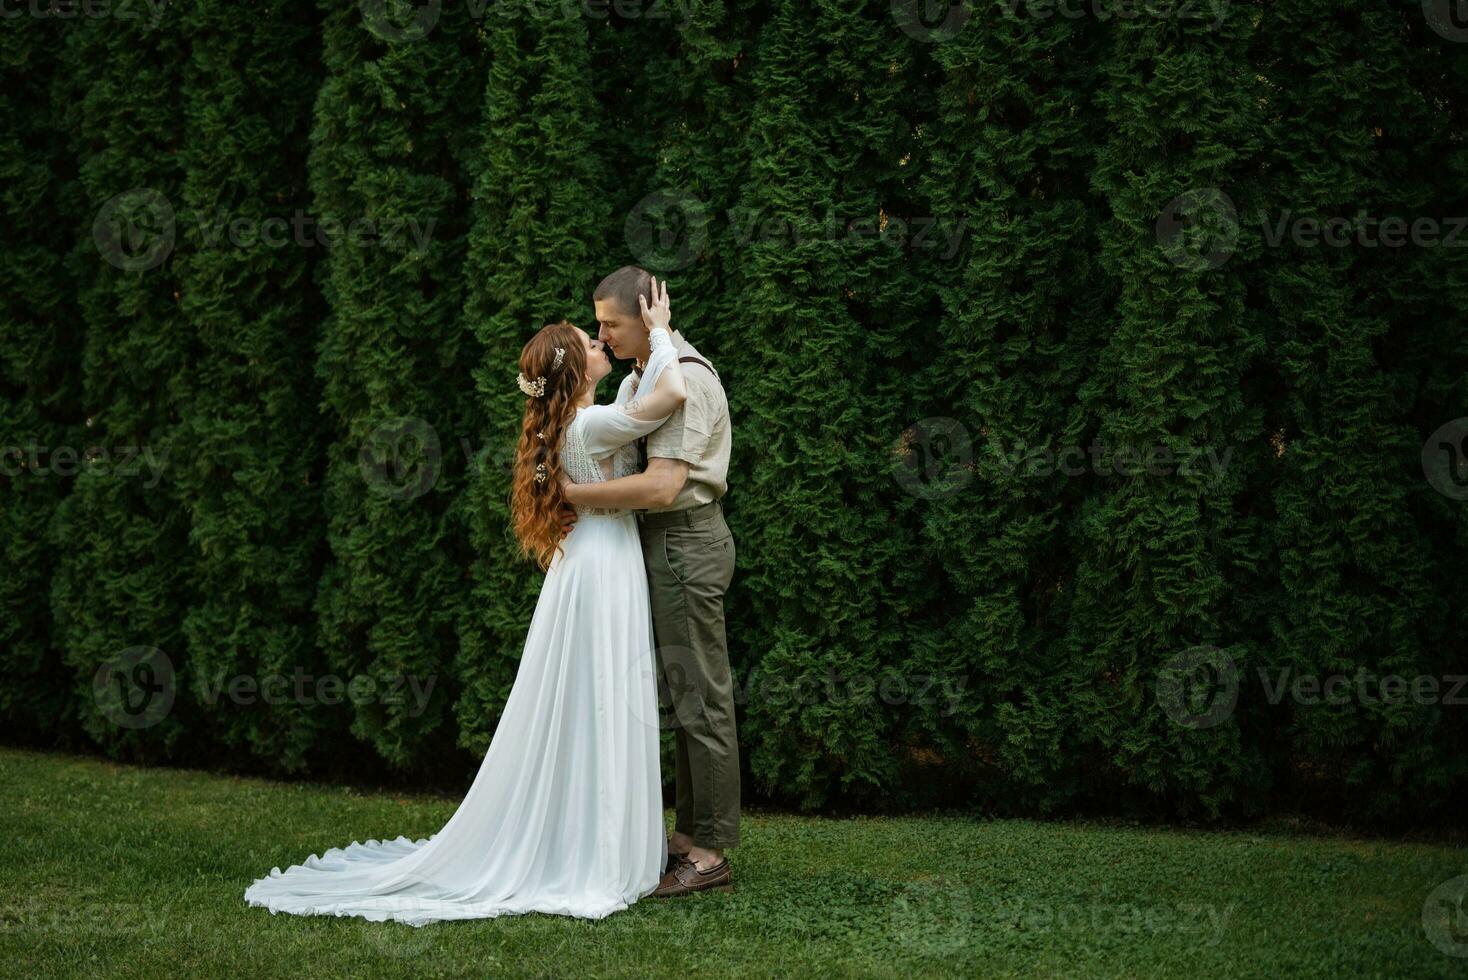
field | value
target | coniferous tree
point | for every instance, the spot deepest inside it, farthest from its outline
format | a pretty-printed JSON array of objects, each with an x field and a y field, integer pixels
[
  {"x": 390, "y": 136},
  {"x": 1354, "y": 592},
  {"x": 1163, "y": 544},
  {"x": 540, "y": 216},
  {"x": 39, "y": 380},
  {"x": 1430, "y": 323},
  {"x": 1110, "y": 267},
  {"x": 680, "y": 147},
  {"x": 1005, "y": 165},
  {"x": 119, "y": 593},
  {"x": 826, "y": 300},
  {"x": 247, "y": 469}
]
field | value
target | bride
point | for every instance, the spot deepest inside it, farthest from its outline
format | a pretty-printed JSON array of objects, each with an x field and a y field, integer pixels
[{"x": 565, "y": 815}]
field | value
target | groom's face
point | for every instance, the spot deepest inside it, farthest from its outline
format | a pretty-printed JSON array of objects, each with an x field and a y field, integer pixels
[{"x": 622, "y": 332}]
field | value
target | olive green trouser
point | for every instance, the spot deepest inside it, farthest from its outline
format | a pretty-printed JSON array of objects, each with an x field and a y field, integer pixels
[{"x": 689, "y": 556}]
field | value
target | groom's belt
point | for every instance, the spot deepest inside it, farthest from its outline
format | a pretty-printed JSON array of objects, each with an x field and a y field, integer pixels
[{"x": 672, "y": 518}]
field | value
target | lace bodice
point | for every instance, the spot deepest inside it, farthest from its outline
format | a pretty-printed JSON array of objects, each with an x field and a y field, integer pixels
[{"x": 579, "y": 465}]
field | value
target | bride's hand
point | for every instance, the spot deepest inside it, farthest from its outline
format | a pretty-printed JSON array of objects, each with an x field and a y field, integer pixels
[{"x": 659, "y": 313}]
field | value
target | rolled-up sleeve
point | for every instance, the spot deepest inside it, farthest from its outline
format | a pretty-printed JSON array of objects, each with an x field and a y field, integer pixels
[{"x": 686, "y": 434}]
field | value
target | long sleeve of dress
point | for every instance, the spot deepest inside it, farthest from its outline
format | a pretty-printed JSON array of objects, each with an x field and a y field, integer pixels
[{"x": 609, "y": 427}]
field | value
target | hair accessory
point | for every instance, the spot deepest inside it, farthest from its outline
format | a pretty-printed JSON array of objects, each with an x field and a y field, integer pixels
[
  {"x": 540, "y": 436},
  {"x": 534, "y": 388},
  {"x": 539, "y": 472}
]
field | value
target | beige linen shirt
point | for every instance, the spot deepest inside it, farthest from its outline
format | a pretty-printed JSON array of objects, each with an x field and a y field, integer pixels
[{"x": 699, "y": 432}]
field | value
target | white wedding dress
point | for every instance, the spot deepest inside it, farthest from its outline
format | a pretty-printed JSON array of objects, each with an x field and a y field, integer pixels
[{"x": 565, "y": 815}]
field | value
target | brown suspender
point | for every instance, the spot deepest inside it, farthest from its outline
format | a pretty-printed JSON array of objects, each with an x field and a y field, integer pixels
[
  {"x": 642, "y": 442},
  {"x": 689, "y": 358},
  {"x": 698, "y": 360}
]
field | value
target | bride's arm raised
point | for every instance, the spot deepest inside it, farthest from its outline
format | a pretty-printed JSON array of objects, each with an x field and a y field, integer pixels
[
  {"x": 662, "y": 378},
  {"x": 660, "y": 390}
]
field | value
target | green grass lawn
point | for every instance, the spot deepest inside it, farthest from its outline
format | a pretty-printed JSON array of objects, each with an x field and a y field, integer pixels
[{"x": 126, "y": 871}]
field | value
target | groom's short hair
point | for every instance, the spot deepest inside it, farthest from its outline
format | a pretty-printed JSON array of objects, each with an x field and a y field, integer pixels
[{"x": 624, "y": 286}]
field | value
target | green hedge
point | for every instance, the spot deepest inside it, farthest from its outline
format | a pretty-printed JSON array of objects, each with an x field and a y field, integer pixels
[{"x": 1047, "y": 385}]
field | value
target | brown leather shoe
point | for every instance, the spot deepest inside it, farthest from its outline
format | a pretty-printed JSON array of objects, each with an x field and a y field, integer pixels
[{"x": 686, "y": 879}]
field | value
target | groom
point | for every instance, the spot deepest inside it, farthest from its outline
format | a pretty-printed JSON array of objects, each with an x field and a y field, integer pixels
[{"x": 689, "y": 554}]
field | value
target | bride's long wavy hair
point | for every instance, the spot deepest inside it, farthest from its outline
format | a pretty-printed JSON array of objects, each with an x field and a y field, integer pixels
[{"x": 535, "y": 503}]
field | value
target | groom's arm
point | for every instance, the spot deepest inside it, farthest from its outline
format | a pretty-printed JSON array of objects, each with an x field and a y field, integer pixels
[{"x": 657, "y": 486}]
